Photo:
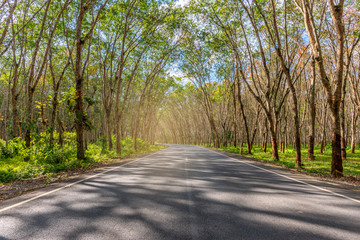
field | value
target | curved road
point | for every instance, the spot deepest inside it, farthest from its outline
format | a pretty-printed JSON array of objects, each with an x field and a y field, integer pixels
[{"x": 186, "y": 192}]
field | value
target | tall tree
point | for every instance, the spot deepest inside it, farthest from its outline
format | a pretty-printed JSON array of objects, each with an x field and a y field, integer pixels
[{"x": 334, "y": 93}]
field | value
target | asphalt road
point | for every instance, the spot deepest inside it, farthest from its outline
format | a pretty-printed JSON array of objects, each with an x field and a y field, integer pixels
[{"x": 186, "y": 192}]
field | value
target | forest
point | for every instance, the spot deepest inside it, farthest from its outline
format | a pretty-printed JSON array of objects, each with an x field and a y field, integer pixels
[{"x": 87, "y": 81}]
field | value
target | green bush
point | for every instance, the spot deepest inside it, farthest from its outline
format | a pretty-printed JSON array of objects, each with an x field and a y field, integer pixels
[
  {"x": 5, "y": 152},
  {"x": 8, "y": 175},
  {"x": 142, "y": 145},
  {"x": 31, "y": 171},
  {"x": 127, "y": 146},
  {"x": 13, "y": 148}
]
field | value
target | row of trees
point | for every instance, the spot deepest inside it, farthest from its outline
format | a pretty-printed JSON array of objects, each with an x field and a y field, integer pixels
[
  {"x": 82, "y": 65},
  {"x": 277, "y": 71},
  {"x": 287, "y": 71}
]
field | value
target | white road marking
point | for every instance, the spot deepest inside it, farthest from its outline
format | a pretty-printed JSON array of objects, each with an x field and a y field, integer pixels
[
  {"x": 71, "y": 184},
  {"x": 293, "y": 179}
]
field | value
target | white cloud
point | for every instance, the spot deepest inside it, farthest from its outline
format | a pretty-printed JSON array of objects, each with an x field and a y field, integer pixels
[
  {"x": 176, "y": 72},
  {"x": 182, "y": 3}
]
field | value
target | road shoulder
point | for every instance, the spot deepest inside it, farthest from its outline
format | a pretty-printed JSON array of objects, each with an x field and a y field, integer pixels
[
  {"x": 28, "y": 188},
  {"x": 332, "y": 185}
]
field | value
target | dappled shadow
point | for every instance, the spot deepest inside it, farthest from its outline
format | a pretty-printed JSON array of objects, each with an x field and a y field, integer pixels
[{"x": 185, "y": 192}]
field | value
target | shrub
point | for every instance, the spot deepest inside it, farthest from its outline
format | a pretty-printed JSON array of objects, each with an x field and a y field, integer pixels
[
  {"x": 142, "y": 145},
  {"x": 13, "y": 148},
  {"x": 8, "y": 175},
  {"x": 43, "y": 159}
]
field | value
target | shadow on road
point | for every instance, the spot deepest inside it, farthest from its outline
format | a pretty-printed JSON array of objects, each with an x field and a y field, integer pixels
[{"x": 206, "y": 197}]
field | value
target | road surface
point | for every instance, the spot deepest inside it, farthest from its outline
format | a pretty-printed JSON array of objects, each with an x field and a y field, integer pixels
[{"x": 186, "y": 192}]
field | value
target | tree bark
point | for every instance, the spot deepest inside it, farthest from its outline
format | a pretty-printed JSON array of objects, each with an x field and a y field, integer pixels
[
  {"x": 343, "y": 121},
  {"x": 353, "y": 130},
  {"x": 248, "y": 142},
  {"x": 312, "y": 114},
  {"x": 29, "y": 112},
  {"x": 274, "y": 144},
  {"x": 80, "y": 40}
]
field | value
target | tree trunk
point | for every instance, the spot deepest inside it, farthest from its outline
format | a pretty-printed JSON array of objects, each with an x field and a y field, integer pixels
[
  {"x": 312, "y": 114},
  {"x": 6, "y": 117},
  {"x": 214, "y": 133},
  {"x": 353, "y": 130},
  {"x": 248, "y": 142},
  {"x": 117, "y": 128},
  {"x": 265, "y": 137},
  {"x": 79, "y": 121},
  {"x": 336, "y": 164},
  {"x": 274, "y": 144},
  {"x": 323, "y": 145},
  {"x": 61, "y": 131},
  {"x": 108, "y": 128},
  {"x": 343, "y": 121},
  {"x": 334, "y": 97},
  {"x": 29, "y": 108},
  {"x": 234, "y": 117},
  {"x": 323, "y": 140},
  {"x": 80, "y": 40},
  {"x": 15, "y": 121},
  {"x": 297, "y": 132},
  {"x": 53, "y": 117},
  {"x": 275, "y": 153}
]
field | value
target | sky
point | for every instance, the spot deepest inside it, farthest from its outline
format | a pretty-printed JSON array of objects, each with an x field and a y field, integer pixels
[{"x": 182, "y": 2}]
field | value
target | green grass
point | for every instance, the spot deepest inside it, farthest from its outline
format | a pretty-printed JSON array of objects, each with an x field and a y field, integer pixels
[
  {"x": 44, "y": 161},
  {"x": 321, "y": 165}
]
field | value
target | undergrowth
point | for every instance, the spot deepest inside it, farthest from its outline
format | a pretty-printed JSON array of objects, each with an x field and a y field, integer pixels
[{"x": 43, "y": 160}]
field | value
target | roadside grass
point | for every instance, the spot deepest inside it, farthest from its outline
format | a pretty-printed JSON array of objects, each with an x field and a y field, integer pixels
[
  {"x": 321, "y": 165},
  {"x": 46, "y": 161}
]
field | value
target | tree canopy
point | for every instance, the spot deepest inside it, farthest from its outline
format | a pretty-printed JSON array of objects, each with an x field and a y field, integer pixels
[{"x": 208, "y": 72}]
